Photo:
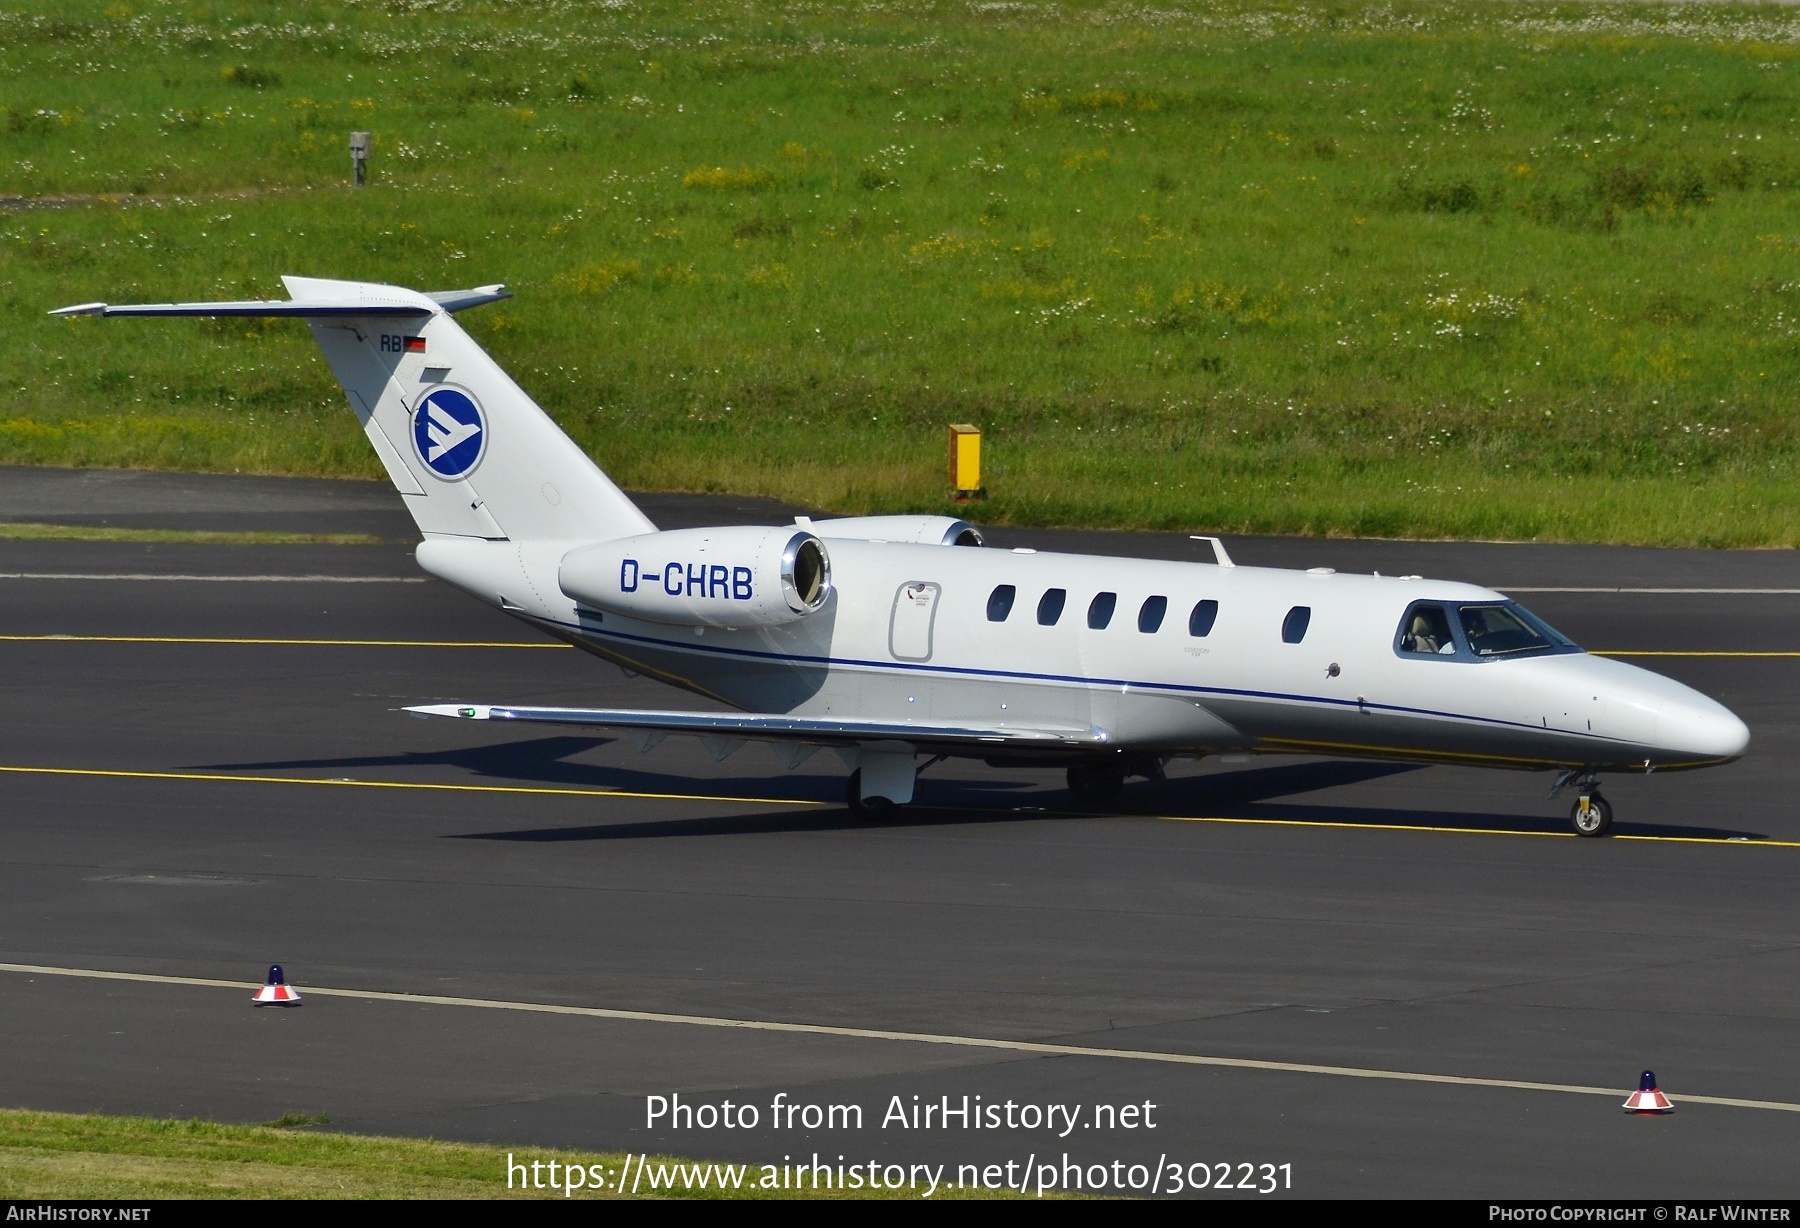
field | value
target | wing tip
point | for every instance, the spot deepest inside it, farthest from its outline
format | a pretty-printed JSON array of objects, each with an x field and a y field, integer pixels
[{"x": 81, "y": 309}]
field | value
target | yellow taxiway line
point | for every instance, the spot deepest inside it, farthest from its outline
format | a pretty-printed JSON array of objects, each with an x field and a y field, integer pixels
[
  {"x": 1034, "y": 1048},
  {"x": 533, "y": 790},
  {"x": 547, "y": 791}
]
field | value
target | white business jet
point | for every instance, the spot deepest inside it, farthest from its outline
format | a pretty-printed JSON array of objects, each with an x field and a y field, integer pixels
[{"x": 889, "y": 641}]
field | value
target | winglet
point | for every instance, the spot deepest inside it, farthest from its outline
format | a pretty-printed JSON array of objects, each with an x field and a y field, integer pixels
[{"x": 1219, "y": 555}]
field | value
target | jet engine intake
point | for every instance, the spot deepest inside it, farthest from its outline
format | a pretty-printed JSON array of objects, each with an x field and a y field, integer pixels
[{"x": 732, "y": 577}]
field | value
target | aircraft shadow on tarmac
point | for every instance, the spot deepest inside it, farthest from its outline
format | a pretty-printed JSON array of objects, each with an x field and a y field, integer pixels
[
  {"x": 1249, "y": 794},
  {"x": 545, "y": 761}
]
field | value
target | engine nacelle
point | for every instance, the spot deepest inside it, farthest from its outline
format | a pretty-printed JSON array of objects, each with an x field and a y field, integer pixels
[
  {"x": 734, "y": 577},
  {"x": 911, "y": 530}
]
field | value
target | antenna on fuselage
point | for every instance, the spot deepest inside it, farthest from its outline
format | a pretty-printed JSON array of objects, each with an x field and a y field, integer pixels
[{"x": 1218, "y": 547}]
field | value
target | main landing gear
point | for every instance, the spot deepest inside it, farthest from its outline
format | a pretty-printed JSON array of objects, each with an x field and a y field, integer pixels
[
  {"x": 882, "y": 781},
  {"x": 1096, "y": 784},
  {"x": 866, "y": 809},
  {"x": 1591, "y": 815}
]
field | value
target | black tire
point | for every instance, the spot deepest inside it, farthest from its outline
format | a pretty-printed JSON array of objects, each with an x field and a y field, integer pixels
[
  {"x": 1096, "y": 784},
  {"x": 868, "y": 809},
  {"x": 1598, "y": 820}
]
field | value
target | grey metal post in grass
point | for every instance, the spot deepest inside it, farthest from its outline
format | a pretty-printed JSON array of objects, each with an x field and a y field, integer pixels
[{"x": 359, "y": 155}]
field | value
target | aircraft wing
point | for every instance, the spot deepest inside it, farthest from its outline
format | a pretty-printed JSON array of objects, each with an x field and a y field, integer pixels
[{"x": 758, "y": 727}]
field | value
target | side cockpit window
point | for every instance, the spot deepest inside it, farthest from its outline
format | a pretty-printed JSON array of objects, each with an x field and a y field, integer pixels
[{"x": 1425, "y": 631}]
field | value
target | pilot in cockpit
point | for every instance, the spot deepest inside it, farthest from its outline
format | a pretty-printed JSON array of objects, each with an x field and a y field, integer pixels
[{"x": 1477, "y": 627}]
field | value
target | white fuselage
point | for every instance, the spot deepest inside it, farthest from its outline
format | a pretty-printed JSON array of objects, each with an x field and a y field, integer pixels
[
  {"x": 907, "y": 635},
  {"x": 914, "y": 645}
]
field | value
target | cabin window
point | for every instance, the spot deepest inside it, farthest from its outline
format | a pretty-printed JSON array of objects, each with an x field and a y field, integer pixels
[
  {"x": 1425, "y": 631},
  {"x": 1150, "y": 614},
  {"x": 1050, "y": 606},
  {"x": 1100, "y": 610},
  {"x": 1293, "y": 627},
  {"x": 1204, "y": 615},
  {"x": 1000, "y": 603}
]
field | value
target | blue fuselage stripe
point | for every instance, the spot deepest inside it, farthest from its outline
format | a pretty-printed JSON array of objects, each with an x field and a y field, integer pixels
[{"x": 592, "y": 633}]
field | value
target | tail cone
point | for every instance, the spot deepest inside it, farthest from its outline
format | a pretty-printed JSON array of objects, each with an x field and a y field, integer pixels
[
  {"x": 1647, "y": 1101},
  {"x": 275, "y": 991}
]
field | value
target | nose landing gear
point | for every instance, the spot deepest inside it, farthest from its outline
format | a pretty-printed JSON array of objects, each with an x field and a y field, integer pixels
[{"x": 1592, "y": 814}]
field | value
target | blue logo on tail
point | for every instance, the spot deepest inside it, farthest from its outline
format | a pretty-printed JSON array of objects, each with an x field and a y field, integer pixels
[{"x": 450, "y": 433}]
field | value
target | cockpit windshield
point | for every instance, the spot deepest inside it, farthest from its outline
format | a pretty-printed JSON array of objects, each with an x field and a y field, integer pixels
[{"x": 1508, "y": 630}]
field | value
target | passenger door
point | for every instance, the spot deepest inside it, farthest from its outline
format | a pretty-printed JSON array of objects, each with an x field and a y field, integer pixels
[{"x": 915, "y": 611}]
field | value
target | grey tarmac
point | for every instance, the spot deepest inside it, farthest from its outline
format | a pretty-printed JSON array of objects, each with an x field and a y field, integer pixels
[{"x": 1308, "y": 912}]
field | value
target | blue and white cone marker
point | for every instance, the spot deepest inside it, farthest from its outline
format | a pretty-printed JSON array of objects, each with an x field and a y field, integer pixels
[
  {"x": 1647, "y": 1100},
  {"x": 275, "y": 991}
]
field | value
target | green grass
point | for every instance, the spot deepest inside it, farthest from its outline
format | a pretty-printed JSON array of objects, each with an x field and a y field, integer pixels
[
  {"x": 31, "y": 532},
  {"x": 88, "y": 1156},
  {"x": 1468, "y": 269}
]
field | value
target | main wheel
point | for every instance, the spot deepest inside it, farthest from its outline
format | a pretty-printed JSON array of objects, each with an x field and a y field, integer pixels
[
  {"x": 1596, "y": 820},
  {"x": 868, "y": 809},
  {"x": 1096, "y": 784}
]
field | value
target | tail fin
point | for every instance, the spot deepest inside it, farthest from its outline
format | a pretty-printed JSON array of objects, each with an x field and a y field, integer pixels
[{"x": 472, "y": 455}]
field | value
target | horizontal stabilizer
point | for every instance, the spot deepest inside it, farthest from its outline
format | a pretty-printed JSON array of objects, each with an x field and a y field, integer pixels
[
  {"x": 823, "y": 730},
  {"x": 251, "y": 307},
  {"x": 363, "y": 300},
  {"x": 462, "y": 300}
]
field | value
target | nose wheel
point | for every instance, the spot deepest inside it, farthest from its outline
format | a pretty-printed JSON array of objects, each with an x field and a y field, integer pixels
[{"x": 1592, "y": 814}]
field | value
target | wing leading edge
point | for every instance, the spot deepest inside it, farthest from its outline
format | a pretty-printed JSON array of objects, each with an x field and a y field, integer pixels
[{"x": 817, "y": 730}]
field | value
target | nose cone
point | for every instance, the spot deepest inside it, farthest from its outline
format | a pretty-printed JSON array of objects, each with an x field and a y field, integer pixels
[
  {"x": 1663, "y": 723},
  {"x": 1695, "y": 727}
]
